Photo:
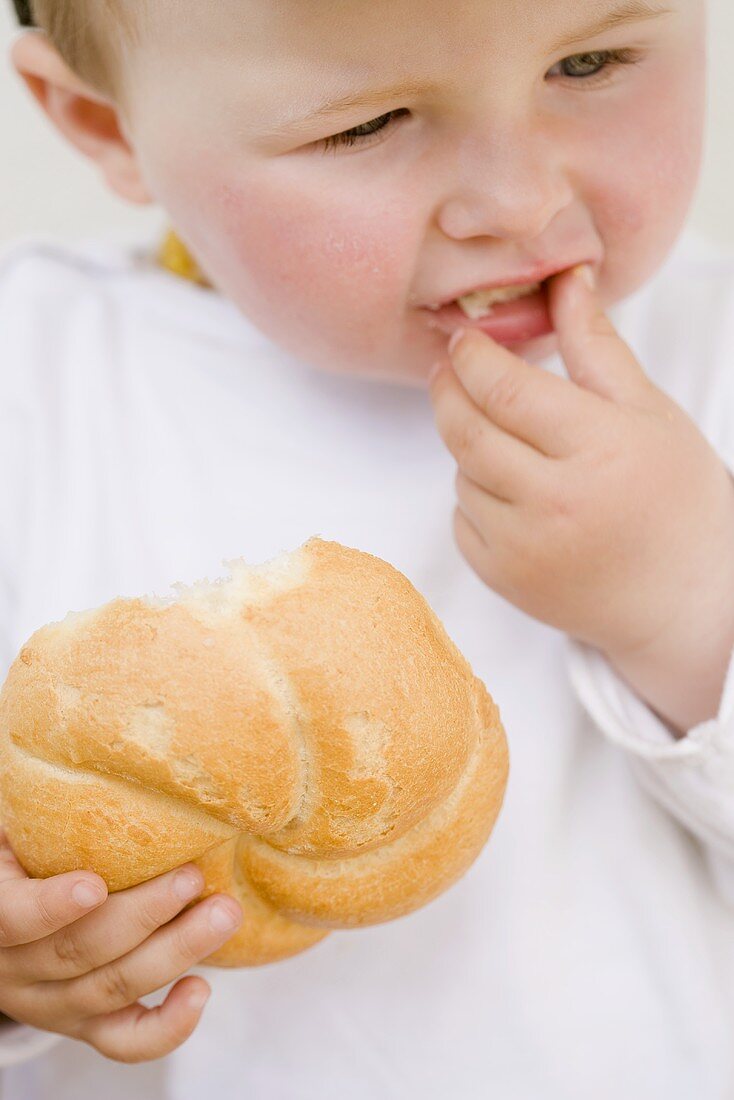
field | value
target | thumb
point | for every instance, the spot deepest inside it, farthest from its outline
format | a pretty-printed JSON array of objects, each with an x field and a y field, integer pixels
[{"x": 596, "y": 356}]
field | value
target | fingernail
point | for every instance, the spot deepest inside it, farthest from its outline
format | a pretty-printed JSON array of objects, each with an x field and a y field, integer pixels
[
  {"x": 585, "y": 272},
  {"x": 221, "y": 917},
  {"x": 86, "y": 895},
  {"x": 187, "y": 885},
  {"x": 456, "y": 339},
  {"x": 198, "y": 998}
]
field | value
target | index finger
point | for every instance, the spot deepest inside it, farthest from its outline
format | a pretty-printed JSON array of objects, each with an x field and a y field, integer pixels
[
  {"x": 550, "y": 413},
  {"x": 31, "y": 909}
]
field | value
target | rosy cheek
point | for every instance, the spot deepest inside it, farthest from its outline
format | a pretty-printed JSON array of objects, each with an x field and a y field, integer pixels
[
  {"x": 271, "y": 244},
  {"x": 640, "y": 186}
]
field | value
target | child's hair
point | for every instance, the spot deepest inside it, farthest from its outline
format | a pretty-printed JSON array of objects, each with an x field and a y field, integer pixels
[{"x": 90, "y": 35}]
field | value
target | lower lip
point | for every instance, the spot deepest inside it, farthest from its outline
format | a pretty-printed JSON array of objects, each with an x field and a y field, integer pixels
[{"x": 509, "y": 323}]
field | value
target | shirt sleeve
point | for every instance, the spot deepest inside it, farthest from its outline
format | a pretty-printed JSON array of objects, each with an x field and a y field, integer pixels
[
  {"x": 20, "y": 1043},
  {"x": 691, "y": 777}
]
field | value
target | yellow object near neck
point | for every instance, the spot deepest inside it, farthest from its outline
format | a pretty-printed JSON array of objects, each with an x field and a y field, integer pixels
[{"x": 176, "y": 258}]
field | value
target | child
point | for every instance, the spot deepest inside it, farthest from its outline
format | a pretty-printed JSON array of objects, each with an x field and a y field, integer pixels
[{"x": 154, "y": 425}]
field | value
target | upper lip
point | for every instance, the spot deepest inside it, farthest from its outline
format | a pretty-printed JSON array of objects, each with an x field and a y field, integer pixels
[{"x": 537, "y": 274}]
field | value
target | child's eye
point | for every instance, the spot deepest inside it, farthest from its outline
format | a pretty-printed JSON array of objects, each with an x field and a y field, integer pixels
[
  {"x": 363, "y": 131},
  {"x": 590, "y": 67}
]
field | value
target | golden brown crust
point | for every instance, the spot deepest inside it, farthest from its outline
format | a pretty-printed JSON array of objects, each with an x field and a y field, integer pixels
[{"x": 318, "y": 746}]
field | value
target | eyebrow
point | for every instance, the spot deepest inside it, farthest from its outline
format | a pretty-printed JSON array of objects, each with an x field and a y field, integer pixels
[
  {"x": 335, "y": 107},
  {"x": 629, "y": 12},
  {"x": 634, "y": 11}
]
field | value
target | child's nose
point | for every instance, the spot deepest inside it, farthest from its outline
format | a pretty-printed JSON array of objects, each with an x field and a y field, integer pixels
[{"x": 512, "y": 189}]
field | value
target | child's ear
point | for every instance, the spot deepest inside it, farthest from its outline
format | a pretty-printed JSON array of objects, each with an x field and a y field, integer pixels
[{"x": 86, "y": 118}]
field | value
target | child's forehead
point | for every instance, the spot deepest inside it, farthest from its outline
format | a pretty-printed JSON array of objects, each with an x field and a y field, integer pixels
[
  {"x": 320, "y": 25},
  {"x": 250, "y": 47},
  {"x": 279, "y": 64}
]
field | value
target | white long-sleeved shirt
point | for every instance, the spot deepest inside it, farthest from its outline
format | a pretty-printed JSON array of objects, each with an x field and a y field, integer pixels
[{"x": 147, "y": 433}]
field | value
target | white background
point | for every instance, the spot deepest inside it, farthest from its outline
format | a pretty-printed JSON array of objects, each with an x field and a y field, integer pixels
[{"x": 47, "y": 188}]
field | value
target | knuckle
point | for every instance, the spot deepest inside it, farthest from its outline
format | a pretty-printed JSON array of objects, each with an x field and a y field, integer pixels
[
  {"x": 468, "y": 539},
  {"x": 462, "y": 485},
  {"x": 472, "y": 495},
  {"x": 504, "y": 394},
  {"x": 48, "y": 922},
  {"x": 151, "y": 916},
  {"x": 462, "y": 526},
  {"x": 566, "y": 495},
  {"x": 7, "y": 938},
  {"x": 184, "y": 942},
  {"x": 559, "y": 503},
  {"x": 463, "y": 437},
  {"x": 519, "y": 573},
  {"x": 113, "y": 986},
  {"x": 37, "y": 1004},
  {"x": 480, "y": 557},
  {"x": 601, "y": 325},
  {"x": 70, "y": 950}
]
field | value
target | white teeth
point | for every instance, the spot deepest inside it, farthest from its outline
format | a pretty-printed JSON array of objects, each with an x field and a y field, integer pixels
[{"x": 479, "y": 303}]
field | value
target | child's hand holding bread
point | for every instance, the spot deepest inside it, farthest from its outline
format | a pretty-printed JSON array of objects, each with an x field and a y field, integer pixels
[{"x": 74, "y": 960}]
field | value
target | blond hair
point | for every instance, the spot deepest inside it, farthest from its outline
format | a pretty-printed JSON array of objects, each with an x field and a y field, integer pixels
[{"x": 92, "y": 36}]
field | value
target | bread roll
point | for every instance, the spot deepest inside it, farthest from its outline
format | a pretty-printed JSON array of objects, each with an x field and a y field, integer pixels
[{"x": 304, "y": 731}]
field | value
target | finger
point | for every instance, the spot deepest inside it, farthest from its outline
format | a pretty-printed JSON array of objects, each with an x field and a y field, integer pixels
[
  {"x": 494, "y": 553},
  {"x": 502, "y": 464},
  {"x": 140, "y": 1034},
  {"x": 165, "y": 955},
  {"x": 596, "y": 357},
  {"x": 476, "y": 550},
  {"x": 486, "y": 513},
  {"x": 546, "y": 412},
  {"x": 120, "y": 925},
  {"x": 31, "y": 909}
]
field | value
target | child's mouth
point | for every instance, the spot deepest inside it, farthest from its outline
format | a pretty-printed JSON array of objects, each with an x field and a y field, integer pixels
[
  {"x": 510, "y": 315},
  {"x": 482, "y": 303}
]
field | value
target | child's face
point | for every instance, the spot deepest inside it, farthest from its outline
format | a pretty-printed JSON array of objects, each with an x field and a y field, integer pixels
[{"x": 511, "y": 156}]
